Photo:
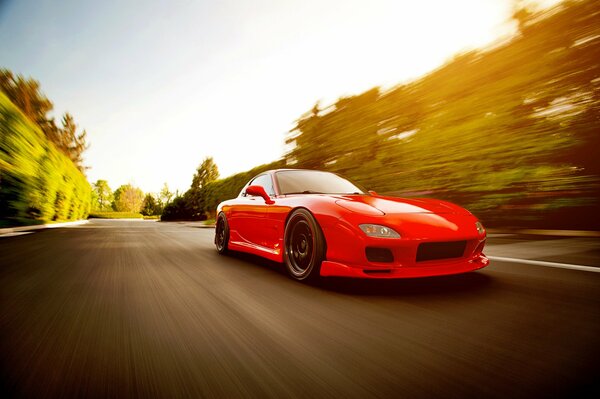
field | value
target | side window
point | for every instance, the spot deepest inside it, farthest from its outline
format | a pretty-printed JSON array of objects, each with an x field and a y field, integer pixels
[{"x": 265, "y": 182}]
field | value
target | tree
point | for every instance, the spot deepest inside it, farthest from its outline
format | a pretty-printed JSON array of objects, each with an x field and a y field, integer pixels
[
  {"x": 165, "y": 195},
  {"x": 103, "y": 194},
  {"x": 128, "y": 199},
  {"x": 176, "y": 210},
  {"x": 206, "y": 172},
  {"x": 36, "y": 180},
  {"x": 150, "y": 206},
  {"x": 26, "y": 94},
  {"x": 511, "y": 127},
  {"x": 194, "y": 198},
  {"x": 70, "y": 142},
  {"x": 307, "y": 130}
]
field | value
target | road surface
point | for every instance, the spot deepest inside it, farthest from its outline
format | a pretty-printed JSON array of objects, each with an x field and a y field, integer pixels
[{"x": 147, "y": 309}]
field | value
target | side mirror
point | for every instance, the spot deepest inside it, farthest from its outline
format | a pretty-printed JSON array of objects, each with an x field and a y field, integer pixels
[
  {"x": 259, "y": 191},
  {"x": 373, "y": 193}
]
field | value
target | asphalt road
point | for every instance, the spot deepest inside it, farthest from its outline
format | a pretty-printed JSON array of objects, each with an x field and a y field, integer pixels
[{"x": 146, "y": 309}]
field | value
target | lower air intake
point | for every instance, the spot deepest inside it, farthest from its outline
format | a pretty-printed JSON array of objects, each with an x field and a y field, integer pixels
[
  {"x": 440, "y": 250},
  {"x": 381, "y": 255}
]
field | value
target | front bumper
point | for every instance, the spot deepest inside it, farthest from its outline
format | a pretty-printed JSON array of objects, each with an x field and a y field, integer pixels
[
  {"x": 351, "y": 253},
  {"x": 427, "y": 269}
]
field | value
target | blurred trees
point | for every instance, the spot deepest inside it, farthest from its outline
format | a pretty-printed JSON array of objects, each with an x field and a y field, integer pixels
[
  {"x": 103, "y": 196},
  {"x": 28, "y": 97},
  {"x": 128, "y": 199},
  {"x": 69, "y": 141},
  {"x": 512, "y": 130},
  {"x": 37, "y": 182}
]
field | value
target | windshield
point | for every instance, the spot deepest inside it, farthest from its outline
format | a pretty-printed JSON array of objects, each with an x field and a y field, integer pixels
[{"x": 314, "y": 182}]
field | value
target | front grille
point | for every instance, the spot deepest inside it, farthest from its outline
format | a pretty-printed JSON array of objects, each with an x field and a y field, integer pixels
[{"x": 440, "y": 250}]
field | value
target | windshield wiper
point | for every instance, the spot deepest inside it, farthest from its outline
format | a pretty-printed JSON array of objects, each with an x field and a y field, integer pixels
[{"x": 305, "y": 192}]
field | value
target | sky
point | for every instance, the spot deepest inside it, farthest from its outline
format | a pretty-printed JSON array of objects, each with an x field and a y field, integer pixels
[{"x": 160, "y": 85}]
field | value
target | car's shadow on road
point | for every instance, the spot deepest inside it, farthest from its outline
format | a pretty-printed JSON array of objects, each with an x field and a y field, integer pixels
[
  {"x": 465, "y": 283},
  {"x": 258, "y": 261},
  {"x": 428, "y": 286}
]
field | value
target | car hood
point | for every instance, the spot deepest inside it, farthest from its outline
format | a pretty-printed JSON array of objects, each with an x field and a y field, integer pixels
[{"x": 398, "y": 206}]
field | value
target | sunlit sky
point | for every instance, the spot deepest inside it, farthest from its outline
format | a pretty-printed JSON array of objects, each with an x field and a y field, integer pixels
[{"x": 159, "y": 85}]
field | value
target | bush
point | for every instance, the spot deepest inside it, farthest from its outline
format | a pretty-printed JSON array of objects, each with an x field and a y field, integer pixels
[
  {"x": 178, "y": 209},
  {"x": 37, "y": 182}
]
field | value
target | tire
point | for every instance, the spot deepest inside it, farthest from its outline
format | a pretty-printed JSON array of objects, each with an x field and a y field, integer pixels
[
  {"x": 304, "y": 246},
  {"x": 222, "y": 234}
]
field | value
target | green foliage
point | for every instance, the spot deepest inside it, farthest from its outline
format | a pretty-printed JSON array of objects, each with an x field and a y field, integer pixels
[
  {"x": 128, "y": 199},
  {"x": 69, "y": 141},
  {"x": 28, "y": 97},
  {"x": 37, "y": 182},
  {"x": 151, "y": 206},
  {"x": 115, "y": 215},
  {"x": 194, "y": 197},
  {"x": 102, "y": 196},
  {"x": 177, "y": 210},
  {"x": 191, "y": 206},
  {"x": 514, "y": 128},
  {"x": 206, "y": 173}
]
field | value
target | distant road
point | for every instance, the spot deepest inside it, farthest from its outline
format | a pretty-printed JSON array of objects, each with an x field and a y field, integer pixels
[{"x": 147, "y": 309}]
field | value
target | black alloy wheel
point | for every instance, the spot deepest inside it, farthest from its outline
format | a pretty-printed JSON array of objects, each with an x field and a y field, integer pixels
[
  {"x": 304, "y": 246},
  {"x": 221, "y": 233}
]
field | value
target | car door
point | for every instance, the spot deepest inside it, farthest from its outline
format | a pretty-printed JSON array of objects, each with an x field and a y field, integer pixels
[{"x": 248, "y": 216}]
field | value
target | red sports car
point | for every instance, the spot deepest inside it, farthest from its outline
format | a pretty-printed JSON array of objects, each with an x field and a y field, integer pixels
[{"x": 320, "y": 224}]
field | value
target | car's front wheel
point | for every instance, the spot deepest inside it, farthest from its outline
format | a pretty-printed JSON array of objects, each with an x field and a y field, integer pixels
[
  {"x": 221, "y": 233},
  {"x": 304, "y": 246}
]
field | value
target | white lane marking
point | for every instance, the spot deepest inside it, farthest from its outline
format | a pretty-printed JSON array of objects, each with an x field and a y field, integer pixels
[
  {"x": 548, "y": 264},
  {"x": 16, "y": 233}
]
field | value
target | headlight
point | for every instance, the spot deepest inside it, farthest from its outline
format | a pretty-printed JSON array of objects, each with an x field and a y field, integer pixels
[
  {"x": 376, "y": 230},
  {"x": 480, "y": 228}
]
